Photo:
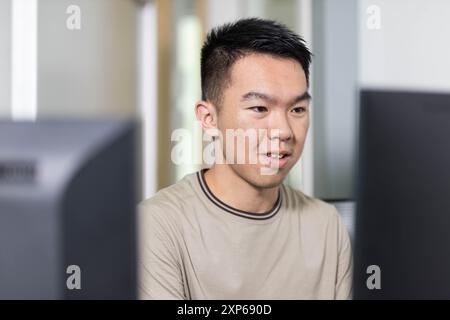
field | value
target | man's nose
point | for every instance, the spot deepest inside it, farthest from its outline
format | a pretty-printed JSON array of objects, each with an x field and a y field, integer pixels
[{"x": 280, "y": 128}]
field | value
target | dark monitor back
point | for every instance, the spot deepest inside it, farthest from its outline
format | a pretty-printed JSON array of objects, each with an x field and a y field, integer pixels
[
  {"x": 67, "y": 200},
  {"x": 403, "y": 208}
]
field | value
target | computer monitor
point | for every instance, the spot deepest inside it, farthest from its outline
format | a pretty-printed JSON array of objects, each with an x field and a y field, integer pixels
[
  {"x": 67, "y": 210},
  {"x": 403, "y": 196}
]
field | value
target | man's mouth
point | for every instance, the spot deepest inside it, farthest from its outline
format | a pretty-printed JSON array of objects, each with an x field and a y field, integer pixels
[
  {"x": 276, "y": 155},
  {"x": 276, "y": 159}
]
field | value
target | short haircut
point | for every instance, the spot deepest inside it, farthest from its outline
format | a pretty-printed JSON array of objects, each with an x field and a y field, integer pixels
[{"x": 225, "y": 44}]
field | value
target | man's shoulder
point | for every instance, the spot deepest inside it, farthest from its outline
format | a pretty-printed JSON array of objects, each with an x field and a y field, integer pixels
[
  {"x": 309, "y": 206},
  {"x": 171, "y": 200}
]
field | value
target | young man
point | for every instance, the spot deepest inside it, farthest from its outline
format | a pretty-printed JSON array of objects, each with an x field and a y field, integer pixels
[{"x": 235, "y": 231}]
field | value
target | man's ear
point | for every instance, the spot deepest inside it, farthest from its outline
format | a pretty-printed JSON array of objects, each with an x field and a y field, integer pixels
[{"x": 206, "y": 113}]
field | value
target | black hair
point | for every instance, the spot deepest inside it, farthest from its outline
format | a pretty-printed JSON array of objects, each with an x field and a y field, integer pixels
[{"x": 225, "y": 44}]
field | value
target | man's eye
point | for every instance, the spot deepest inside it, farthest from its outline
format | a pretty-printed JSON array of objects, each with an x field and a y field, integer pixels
[
  {"x": 299, "y": 109},
  {"x": 259, "y": 109}
]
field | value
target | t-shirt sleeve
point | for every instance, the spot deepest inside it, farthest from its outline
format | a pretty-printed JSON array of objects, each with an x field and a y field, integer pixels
[
  {"x": 345, "y": 264},
  {"x": 159, "y": 266}
]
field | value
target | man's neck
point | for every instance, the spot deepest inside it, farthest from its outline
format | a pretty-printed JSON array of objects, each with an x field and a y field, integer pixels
[{"x": 234, "y": 191}]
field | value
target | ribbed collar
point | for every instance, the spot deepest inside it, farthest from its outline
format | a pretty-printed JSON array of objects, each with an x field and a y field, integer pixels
[{"x": 245, "y": 214}]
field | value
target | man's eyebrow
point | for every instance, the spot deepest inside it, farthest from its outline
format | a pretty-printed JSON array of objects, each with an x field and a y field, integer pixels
[
  {"x": 262, "y": 96},
  {"x": 302, "y": 97},
  {"x": 257, "y": 95}
]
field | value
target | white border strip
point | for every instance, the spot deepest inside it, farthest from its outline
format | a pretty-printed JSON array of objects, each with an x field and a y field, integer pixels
[
  {"x": 305, "y": 7},
  {"x": 24, "y": 60},
  {"x": 147, "y": 41}
]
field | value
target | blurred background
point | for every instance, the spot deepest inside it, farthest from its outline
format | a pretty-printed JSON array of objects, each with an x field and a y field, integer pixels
[{"x": 140, "y": 59}]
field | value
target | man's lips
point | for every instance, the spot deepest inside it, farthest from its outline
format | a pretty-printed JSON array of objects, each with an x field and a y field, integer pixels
[{"x": 275, "y": 159}]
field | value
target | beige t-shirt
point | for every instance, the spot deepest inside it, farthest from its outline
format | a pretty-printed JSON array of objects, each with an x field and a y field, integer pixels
[{"x": 193, "y": 246}]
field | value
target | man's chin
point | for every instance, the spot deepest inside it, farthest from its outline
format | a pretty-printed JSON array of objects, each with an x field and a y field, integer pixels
[
  {"x": 261, "y": 177},
  {"x": 269, "y": 177}
]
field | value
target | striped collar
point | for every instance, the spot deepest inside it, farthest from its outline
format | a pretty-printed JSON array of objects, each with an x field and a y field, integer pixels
[{"x": 245, "y": 214}]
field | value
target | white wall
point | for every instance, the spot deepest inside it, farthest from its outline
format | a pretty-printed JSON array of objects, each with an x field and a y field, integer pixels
[
  {"x": 92, "y": 71},
  {"x": 5, "y": 58},
  {"x": 412, "y": 47},
  {"x": 82, "y": 73}
]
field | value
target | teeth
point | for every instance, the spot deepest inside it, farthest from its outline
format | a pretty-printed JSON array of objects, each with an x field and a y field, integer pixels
[{"x": 275, "y": 155}]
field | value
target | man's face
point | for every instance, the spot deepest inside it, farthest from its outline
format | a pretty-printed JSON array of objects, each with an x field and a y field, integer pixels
[{"x": 269, "y": 96}]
